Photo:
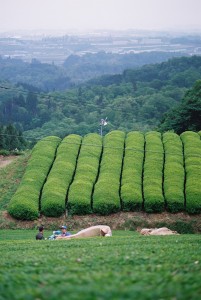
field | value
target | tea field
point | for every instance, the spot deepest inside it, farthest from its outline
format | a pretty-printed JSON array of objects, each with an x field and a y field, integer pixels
[
  {"x": 124, "y": 266},
  {"x": 150, "y": 172}
]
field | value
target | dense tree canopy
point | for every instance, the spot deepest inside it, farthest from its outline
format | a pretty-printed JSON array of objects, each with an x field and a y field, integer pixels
[
  {"x": 76, "y": 69},
  {"x": 133, "y": 100},
  {"x": 90, "y": 65},
  {"x": 186, "y": 115},
  {"x": 11, "y": 138},
  {"x": 41, "y": 75}
]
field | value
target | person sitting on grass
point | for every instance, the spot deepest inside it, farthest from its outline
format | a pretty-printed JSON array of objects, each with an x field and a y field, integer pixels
[
  {"x": 59, "y": 233},
  {"x": 64, "y": 232},
  {"x": 98, "y": 230},
  {"x": 39, "y": 235}
]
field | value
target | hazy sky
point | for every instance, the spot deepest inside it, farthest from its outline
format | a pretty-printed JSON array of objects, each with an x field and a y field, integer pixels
[{"x": 99, "y": 14}]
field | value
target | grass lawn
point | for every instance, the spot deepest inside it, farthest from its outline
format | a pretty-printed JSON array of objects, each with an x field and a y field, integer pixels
[{"x": 125, "y": 266}]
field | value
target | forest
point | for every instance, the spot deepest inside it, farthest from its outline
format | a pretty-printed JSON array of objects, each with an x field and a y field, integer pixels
[
  {"x": 137, "y": 99},
  {"x": 11, "y": 140},
  {"x": 75, "y": 69}
]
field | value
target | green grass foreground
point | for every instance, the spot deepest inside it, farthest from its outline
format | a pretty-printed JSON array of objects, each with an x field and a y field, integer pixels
[{"x": 125, "y": 266}]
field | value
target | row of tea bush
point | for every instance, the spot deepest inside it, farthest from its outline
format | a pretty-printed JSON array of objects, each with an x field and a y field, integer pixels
[
  {"x": 53, "y": 200},
  {"x": 192, "y": 155},
  {"x": 25, "y": 204},
  {"x": 80, "y": 193},
  {"x": 150, "y": 172},
  {"x": 106, "y": 198}
]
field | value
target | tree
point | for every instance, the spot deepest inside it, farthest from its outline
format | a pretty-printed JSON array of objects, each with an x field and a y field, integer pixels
[
  {"x": 187, "y": 115},
  {"x": 31, "y": 103},
  {"x": 2, "y": 137},
  {"x": 11, "y": 138}
]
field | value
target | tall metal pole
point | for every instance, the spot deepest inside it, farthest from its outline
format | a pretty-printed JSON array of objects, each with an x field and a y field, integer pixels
[
  {"x": 103, "y": 122},
  {"x": 101, "y": 130}
]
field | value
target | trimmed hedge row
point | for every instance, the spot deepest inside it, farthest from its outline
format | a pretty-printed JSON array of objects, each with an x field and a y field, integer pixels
[
  {"x": 106, "y": 198},
  {"x": 153, "y": 173},
  {"x": 80, "y": 192},
  {"x": 146, "y": 177},
  {"x": 131, "y": 188},
  {"x": 173, "y": 172},
  {"x": 192, "y": 154},
  {"x": 53, "y": 200},
  {"x": 25, "y": 203}
]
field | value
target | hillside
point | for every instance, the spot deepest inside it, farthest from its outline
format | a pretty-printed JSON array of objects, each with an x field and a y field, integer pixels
[
  {"x": 45, "y": 77},
  {"x": 133, "y": 100},
  {"x": 133, "y": 172},
  {"x": 91, "y": 65},
  {"x": 50, "y": 77},
  {"x": 187, "y": 114}
]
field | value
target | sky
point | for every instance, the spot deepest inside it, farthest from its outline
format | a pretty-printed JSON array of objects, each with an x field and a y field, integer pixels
[{"x": 99, "y": 14}]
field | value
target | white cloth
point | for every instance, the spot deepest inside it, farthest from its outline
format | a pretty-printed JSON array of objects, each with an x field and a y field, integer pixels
[
  {"x": 157, "y": 231},
  {"x": 98, "y": 230}
]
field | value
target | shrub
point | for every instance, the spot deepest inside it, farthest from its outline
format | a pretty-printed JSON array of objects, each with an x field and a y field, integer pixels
[
  {"x": 80, "y": 197},
  {"x": 104, "y": 176},
  {"x": 53, "y": 200},
  {"x": 106, "y": 198},
  {"x": 153, "y": 173},
  {"x": 80, "y": 192},
  {"x": 192, "y": 154},
  {"x": 23, "y": 207},
  {"x": 131, "y": 188},
  {"x": 4, "y": 152},
  {"x": 25, "y": 203},
  {"x": 173, "y": 172},
  {"x": 183, "y": 227}
]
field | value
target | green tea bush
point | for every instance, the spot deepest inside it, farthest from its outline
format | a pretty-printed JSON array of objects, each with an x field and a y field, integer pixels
[
  {"x": 131, "y": 188},
  {"x": 53, "y": 200},
  {"x": 153, "y": 173},
  {"x": 24, "y": 205},
  {"x": 80, "y": 192},
  {"x": 79, "y": 200},
  {"x": 173, "y": 172},
  {"x": 106, "y": 198},
  {"x": 192, "y": 154}
]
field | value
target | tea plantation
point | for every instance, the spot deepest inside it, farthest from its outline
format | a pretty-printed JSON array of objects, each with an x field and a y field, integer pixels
[
  {"x": 129, "y": 172},
  {"x": 124, "y": 266}
]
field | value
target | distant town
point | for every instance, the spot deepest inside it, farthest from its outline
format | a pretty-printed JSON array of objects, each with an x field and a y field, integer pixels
[{"x": 55, "y": 47}]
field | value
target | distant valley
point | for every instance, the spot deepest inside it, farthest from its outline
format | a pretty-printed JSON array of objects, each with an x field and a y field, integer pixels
[{"x": 55, "y": 49}]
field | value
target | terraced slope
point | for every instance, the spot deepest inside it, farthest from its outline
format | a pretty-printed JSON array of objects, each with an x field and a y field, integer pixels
[{"x": 152, "y": 172}]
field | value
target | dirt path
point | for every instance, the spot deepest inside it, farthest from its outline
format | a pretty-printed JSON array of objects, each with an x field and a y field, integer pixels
[
  {"x": 180, "y": 222},
  {"x": 6, "y": 160}
]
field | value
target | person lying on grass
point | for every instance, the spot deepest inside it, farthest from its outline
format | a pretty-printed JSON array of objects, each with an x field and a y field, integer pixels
[
  {"x": 98, "y": 230},
  {"x": 157, "y": 231}
]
